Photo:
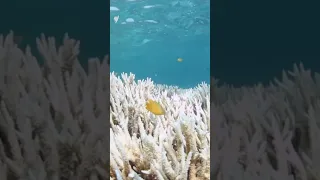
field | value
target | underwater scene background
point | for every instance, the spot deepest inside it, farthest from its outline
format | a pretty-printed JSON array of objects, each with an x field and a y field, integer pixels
[{"x": 167, "y": 41}]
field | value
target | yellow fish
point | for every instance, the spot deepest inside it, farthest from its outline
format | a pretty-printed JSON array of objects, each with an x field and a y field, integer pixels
[
  {"x": 179, "y": 59},
  {"x": 154, "y": 107}
]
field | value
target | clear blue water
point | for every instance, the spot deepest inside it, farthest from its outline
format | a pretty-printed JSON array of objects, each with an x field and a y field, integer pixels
[{"x": 162, "y": 32}]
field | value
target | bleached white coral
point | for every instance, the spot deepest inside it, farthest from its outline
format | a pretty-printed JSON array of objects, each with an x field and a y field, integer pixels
[
  {"x": 267, "y": 132},
  {"x": 173, "y": 146},
  {"x": 52, "y": 123}
]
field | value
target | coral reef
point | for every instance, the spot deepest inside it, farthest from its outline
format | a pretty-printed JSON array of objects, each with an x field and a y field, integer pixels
[
  {"x": 54, "y": 120},
  {"x": 145, "y": 146},
  {"x": 54, "y": 123},
  {"x": 267, "y": 132}
]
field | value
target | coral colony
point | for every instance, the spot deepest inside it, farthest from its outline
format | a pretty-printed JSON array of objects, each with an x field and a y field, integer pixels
[
  {"x": 267, "y": 132},
  {"x": 53, "y": 123},
  {"x": 175, "y": 145}
]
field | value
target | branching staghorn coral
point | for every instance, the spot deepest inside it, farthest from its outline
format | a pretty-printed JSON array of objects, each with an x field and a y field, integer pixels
[
  {"x": 53, "y": 118},
  {"x": 267, "y": 132},
  {"x": 145, "y": 146}
]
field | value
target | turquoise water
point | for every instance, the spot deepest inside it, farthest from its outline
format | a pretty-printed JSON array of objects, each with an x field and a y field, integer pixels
[{"x": 150, "y": 36}]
